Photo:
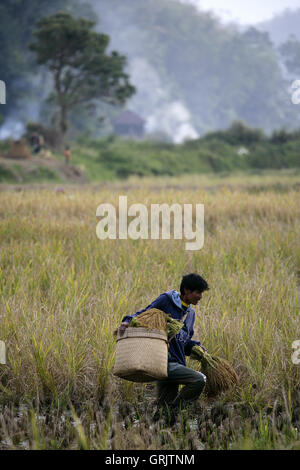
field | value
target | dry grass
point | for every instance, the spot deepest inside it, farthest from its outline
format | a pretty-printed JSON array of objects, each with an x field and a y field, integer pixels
[{"x": 63, "y": 292}]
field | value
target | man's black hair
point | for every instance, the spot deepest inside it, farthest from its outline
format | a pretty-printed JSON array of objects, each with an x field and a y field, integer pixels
[{"x": 193, "y": 282}]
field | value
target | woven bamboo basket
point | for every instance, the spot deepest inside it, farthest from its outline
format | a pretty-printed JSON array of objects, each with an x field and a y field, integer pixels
[{"x": 141, "y": 355}]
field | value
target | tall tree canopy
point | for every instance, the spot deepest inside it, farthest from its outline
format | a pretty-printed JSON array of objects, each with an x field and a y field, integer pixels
[
  {"x": 17, "y": 22},
  {"x": 82, "y": 69}
]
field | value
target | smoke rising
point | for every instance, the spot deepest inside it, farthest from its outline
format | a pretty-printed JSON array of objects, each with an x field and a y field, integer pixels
[
  {"x": 152, "y": 101},
  {"x": 173, "y": 119},
  {"x": 12, "y": 128}
]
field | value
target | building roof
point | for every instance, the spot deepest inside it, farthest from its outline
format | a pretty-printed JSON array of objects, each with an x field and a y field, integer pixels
[{"x": 129, "y": 118}]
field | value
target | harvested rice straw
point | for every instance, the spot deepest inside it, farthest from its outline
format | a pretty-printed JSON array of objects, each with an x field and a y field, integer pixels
[
  {"x": 220, "y": 375},
  {"x": 155, "y": 319},
  {"x": 173, "y": 327},
  {"x": 152, "y": 319}
]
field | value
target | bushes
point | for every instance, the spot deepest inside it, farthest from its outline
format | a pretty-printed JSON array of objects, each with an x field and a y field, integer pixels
[
  {"x": 112, "y": 157},
  {"x": 215, "y": 152},
  {"x": 125, "y": 158},
  {"x": 238, "y": 134},
  {"x": 53, "y": 138}
]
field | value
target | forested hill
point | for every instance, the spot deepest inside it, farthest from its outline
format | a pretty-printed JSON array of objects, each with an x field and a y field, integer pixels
[
  {"x": 180, "y": 55},
  {"x": 192, "y": 73}
]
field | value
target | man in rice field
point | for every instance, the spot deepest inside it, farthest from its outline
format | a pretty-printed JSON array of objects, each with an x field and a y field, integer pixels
[{"x": 170, "y": 398}]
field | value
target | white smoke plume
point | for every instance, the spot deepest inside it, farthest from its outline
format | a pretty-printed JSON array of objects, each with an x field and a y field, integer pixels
[
  {"x": 12, "y": 128},
  {"x": 173, "y": 119},
  {"x": 29, "y": 108},
  {"x": 162, "y": 113}
]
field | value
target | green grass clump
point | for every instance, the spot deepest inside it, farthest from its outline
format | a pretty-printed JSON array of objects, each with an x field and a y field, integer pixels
[{"x": 6, "y": 175}]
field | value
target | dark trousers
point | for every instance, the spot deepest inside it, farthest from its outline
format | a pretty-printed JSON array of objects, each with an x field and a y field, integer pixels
[{"x": 168, "y": 390}]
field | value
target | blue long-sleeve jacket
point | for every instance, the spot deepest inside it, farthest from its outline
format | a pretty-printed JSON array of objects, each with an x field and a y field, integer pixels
[{"x": 181, "y": 345}]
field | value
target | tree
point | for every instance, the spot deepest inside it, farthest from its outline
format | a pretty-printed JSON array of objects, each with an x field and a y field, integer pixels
[
  {"x": 82, "y": 70},
  {"x": 17, "y": 21}
]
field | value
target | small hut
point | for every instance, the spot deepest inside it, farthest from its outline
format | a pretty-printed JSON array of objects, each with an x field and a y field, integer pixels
[
  {"x": 129, "y": 124},
  {"x": 19, "y": 150}
]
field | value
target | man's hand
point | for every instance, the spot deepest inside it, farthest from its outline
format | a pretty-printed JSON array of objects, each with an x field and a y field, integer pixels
[{"x": 122, "y": 328}]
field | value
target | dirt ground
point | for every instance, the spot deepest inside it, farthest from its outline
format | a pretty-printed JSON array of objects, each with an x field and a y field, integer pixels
[{"x": 30, "y": 167}]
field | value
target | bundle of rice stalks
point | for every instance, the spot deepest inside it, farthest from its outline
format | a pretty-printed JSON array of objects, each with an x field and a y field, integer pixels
[
  {"x": 152, "y": 319},
  {"x": 173, "y": 327},
  {"x": 19, "y": 150},
  {"x": 220, "y": 375}
]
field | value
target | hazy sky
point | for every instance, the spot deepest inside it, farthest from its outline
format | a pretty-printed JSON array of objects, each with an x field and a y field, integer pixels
[{"x": 245, "y": 11}]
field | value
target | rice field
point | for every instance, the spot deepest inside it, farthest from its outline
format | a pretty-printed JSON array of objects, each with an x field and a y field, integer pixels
[{"x": 63, "y": 292}]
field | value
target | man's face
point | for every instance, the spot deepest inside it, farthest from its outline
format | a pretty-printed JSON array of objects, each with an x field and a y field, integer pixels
[{"x": 192, "y": 297}]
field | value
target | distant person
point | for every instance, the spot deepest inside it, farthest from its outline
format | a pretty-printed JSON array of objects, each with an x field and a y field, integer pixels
[
  {"x": 67, "y": 154},
  {"x": 37, "y": 142},
  {"x": 33, "y": 139}
]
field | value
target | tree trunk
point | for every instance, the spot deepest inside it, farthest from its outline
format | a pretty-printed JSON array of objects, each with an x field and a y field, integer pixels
[{"x": 63, "y": 120}]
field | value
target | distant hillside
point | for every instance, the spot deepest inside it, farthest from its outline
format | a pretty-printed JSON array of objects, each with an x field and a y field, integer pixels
[{"x": 192, "y": 74}]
